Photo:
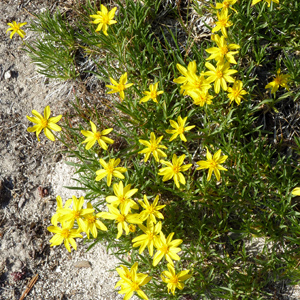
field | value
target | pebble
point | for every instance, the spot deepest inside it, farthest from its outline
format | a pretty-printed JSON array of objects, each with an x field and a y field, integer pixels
[
  {"x": 82, "y": 264},
  {"x": 17, "y": 265},
  {"x": 7, "y": 75},
  {"x": 21, "y": 202}
]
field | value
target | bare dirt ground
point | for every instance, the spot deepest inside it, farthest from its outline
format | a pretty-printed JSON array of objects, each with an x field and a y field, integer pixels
[{"x": 26, "y": 167}]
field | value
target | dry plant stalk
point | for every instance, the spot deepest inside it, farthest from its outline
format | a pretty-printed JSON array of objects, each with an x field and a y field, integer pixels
[{"x": 29, "y": 287}]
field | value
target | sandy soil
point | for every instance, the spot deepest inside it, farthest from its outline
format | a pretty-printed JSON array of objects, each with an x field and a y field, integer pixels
[{"x": 26, "y": 166}]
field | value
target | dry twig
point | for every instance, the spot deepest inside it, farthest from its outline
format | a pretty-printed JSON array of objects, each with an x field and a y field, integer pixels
[{"x": 29, "y": 287}]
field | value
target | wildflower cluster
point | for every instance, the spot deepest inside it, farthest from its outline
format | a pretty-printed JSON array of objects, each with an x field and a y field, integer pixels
[
  {"x": 198, "y": 87},
  {"x": 175, "y": 166},
  {"x": 78, "y": 220},
  {"x": 73, "y": 221}
]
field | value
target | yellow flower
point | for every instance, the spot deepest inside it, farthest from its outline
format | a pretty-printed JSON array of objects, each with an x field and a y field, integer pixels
[
  {"x": 192, "y": 68},
  {"x": 110, "y": 170},
  {"x": 153, "y": 147},
  {"x": 94, "y": 135},
  {"x": 44, "y": 123},
  {"x": 64, "y": 234},
  {"x": 222, "y": 23},
  {"x": 131, "y": 282},
  {"x": 125, "y": 273},
  {"x": 179, "y": 129},
  {"x": 15, "y": 27},
  {"x": 151, "y": 211},
  {"x": 147, "y": 239},
  {"x": 190, "y": 80},
  {"x": 280, "y": 80},
  {"x": 225, "y": 5},
  {"x": 174, "y": 280},
  {"x": 104, "y": 18},
  {"x": 296, "y": 191},
  {"x": 123, "y": 196},
  {"x": 213, "y": 164},
  {"x": 92, "y": 223},
  {"x": 219, "y": 75},
  {"x": 119, "y": 87},
  {"x": 236, "y": 92},
  {"x": 152, "y": 94},
  {"x": 56, "y": 216},
  {"x": 166, "y": 247},
  {"x": 200, "y": 98},
  {"x": 121, "y": 218},
  {"x": 268, "y": 1},
  {"x": 174, "y": 169},
  {"x": 76, "y": 213},
  {"x": 223, "y": 50},
  {"x": 195, "y": 83},
  {"x": 132, "y": 228}
]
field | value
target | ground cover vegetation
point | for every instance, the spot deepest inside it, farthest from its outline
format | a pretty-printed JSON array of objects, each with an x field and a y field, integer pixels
[{"x": 195, "y": 155}]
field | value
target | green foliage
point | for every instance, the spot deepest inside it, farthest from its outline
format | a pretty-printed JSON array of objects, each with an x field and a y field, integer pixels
[
  {"x": 54, "y": 53},
  {"x": 219, "y": 222}
]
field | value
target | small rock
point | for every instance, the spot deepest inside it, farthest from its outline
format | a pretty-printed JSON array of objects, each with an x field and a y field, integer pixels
[
  {"x": 52, "y": 252},
  {"x": 21, "y": 202},
  {"x": 17, "y": 265},
  {"x": 7, "y": 75},
  {"x": 43, "y": 191},
  {"x": 82, "y": 264}
]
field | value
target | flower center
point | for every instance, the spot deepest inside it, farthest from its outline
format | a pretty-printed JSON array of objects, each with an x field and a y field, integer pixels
[
  {"x": 105, "y": 19},
  {"x": 150, "y": 209},
  {"x": 110, "y": 169},
  {"x": 76, "y": 214},
  {"x": 278, "y": 80},
  {"x": 97, "y": 135},
  {"x": 224, "y": 50},
  {"x": 180, "y": 130},
  {"x": 197, "y": 83},
  {"x": 122, "y": 199},
  {"x": 91, "y": 219},
  {"x": 134, "y": 286},
  {"x": 153, "y": 147},
  {"x": 44, "y": 123},
  {"x": 213, "y": 164},
  {"x": 120, "y": 218},
  {"x": 164, "y": 249},
  {"x": 225, "y": 4},
  {"x": 175, "y": 169},
  {"x": 223, "y": 22},
  {"x": 150, "y": 236},
  {"x": 174, "y": 279},
  {"x": 201, "y": 99},
  {"x": 16, "y": 27},
  {"x": 236, "y": 93},
  {"x": 65, "y": 233},
  {"x": 121, "y": 87},
  {"x": 153, "y": 95},
  {"x": 219, "y": 74}
]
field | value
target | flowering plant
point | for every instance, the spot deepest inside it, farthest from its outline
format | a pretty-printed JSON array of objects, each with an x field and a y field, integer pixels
[{"x": 174, "y": 150}]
